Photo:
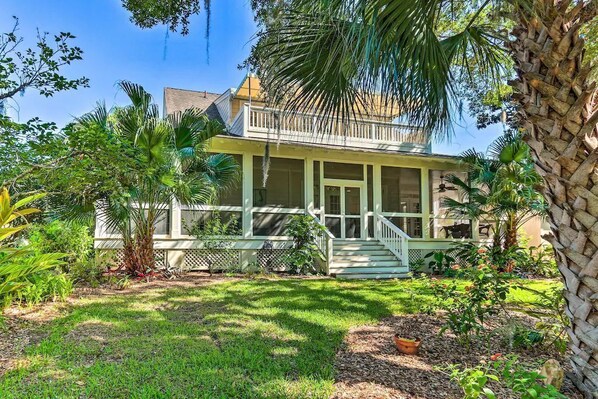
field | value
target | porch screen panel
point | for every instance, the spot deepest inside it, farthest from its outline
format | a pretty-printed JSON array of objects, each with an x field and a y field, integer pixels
[
  {"x": 194, "y": 221},
  {"x": 444, "y": 224},
  {"x": 316, "y": 184},
  {"x": 401, "y": 190},
  {"x": 370, "y": 187},
  {"x": 346, "y": 171},
  {"x": 233, "y": 195},
  {"x": 270, "y": 224},
  {"x": 162, "y": 224},
  {"x": 410, "y": 225},
  {"x": 284, "y": 186}
]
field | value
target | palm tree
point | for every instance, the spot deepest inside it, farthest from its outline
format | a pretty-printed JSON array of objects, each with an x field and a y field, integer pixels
[
  {"x": 333, "y": 54},
  {"x": 502, "y": 186},
  {"x": 171, "y": 164}
]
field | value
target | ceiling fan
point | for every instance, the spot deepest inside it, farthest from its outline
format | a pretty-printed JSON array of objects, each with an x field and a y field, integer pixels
[{"x": 442, "y": 187}]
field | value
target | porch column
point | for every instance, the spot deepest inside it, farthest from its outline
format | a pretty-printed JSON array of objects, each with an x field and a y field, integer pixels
[
  {"x": 247, "y": 195},
  {"x": 175, "y": 219},
  {"x": 309, "y": 184},
  {"x": 377, "y": 176},
  {"x": 425, "y": 206}
]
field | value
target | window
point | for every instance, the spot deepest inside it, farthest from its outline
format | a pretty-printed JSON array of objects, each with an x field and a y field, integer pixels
[
  {"x": 284, "y": 186},
  {"x": 346, "y": 171},
  {"x": 401, "y": 190}
]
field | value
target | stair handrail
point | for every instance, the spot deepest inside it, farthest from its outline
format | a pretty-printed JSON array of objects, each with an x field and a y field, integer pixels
[
  {"x": 393, "y": 238},
  {"x": 324, "y": 242}
]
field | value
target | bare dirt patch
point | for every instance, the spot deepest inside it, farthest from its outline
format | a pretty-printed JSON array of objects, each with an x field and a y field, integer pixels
[
  {"x": 21, "y": 327},
  {"x": 369, "y": 365}
]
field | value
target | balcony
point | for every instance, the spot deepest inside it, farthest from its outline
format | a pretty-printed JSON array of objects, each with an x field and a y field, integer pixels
[{"x": 267, "y": 123}]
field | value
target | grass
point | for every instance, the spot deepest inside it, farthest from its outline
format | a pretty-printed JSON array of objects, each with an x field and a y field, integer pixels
[{"x": 240, "y": 339}]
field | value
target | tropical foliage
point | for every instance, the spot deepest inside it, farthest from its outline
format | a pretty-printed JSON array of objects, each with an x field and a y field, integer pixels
[
  {"x": 398, "y": 53},
  {"x": 168, "y": 162},
  {"x": 18, "y": 264},
  {"x": 304, "y": 255},
  {"x": 502, "y": 187}
]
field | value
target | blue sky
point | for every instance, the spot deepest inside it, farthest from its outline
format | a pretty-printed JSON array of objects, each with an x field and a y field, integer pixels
[{"x": 115, "y": 49}]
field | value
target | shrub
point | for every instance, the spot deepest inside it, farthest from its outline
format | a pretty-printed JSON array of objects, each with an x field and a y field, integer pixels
[
  {"x": 466, "y": 310},
  {"x": 17, "y": 265},
  {"x": 90, "y": 271},
  {"x": 441, "y": 263},
  {"x": 216, "y": 233},
  {"x": 305, "y": 230},
  {"x": 522, "y": 382},
  {"x": 537, "y": 261},
  {"x": 72, "y": 239},
  {"x": 44, "y": 286}
]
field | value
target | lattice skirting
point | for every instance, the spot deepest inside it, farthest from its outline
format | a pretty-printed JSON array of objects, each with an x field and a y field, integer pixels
[
  {"x": 160, "y": 255},
  {"x": 275, "y": 260},
  {"x": 212, "y": 259},
  {"x": 415, "y": 255}
]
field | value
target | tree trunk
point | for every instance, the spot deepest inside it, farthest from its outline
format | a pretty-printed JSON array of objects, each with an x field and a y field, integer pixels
[
  {"x": 510, "y": 233},
  {"x": 559, "y": 113},
  {"x": 145, "y": 252}
]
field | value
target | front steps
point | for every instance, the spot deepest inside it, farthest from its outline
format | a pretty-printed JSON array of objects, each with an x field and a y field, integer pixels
[{"x": 365, "y": 260}]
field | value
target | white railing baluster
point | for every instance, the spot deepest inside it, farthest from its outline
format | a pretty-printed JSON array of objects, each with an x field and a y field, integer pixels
[
  {"x": 262, "y": 119},
  {"x": 325, "y": 242},
  {"x": 393, "y": 238}
]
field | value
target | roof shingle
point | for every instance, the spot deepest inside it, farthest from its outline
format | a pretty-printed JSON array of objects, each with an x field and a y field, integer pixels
[{"x": 176, "y": 100}]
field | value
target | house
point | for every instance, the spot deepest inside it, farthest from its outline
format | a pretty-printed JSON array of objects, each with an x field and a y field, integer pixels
[{"x": 373, "y": 182}]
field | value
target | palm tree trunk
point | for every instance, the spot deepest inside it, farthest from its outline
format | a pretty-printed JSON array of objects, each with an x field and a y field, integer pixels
[
  {"x": 558, "y": 108},
  {"x": 510, "y": 233}
]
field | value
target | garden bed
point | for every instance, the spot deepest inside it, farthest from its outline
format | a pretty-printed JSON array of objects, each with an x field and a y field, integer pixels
[{"x": 369, "y": 365}]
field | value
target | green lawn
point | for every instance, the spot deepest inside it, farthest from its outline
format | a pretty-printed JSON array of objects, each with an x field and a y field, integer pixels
[{"x": 238, "y": 339}]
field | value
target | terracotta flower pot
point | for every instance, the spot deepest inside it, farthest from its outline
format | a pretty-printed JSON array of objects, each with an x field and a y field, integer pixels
[{"x": 406, "y": 345}]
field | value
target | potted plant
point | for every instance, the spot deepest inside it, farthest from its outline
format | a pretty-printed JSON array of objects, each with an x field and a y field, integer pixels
[{"x": 407, "y": 346}]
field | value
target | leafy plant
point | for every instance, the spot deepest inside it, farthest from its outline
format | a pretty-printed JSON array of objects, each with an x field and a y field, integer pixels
[
  {"x": 44, "y": 286},
  {"x": 90, "y": 271},
  {"x": 467, "y": 310},
  {"x": 440, "y": 263},
  {"x": 18, "y": 264},
  {"x": 304, "y": 254},
  {"x": 216, "y": 233},
  {"x": 524, "y": 383},
  {"x": 72, "y": 239}
]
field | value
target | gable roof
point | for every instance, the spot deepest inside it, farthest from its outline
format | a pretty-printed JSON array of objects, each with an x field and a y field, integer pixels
[{"x": 178, "y": 100}]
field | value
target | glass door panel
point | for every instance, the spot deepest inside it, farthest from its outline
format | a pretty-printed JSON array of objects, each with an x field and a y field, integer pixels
[
  {"x": 332, "y": 204},
  {"x": 343, "y": 211},
  {"x": 352, "y": 201},
  {"x": 333, "y": 224},
  {"x": 332, "y": 200},
  {"x": 352, "y": 227}
]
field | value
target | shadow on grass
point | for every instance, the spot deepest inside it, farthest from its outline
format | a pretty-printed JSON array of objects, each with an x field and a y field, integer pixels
[{"x": 246, "y": 339}]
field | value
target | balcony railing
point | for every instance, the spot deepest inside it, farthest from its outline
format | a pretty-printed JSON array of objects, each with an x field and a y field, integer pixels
[{"x": 317, "y": 129}]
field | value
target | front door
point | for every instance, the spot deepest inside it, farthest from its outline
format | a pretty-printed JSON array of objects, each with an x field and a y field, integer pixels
[{"x": 343, "y": 210}]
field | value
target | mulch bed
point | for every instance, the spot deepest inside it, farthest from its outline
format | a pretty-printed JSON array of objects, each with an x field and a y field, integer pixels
[{"x": 369, "y": 365}]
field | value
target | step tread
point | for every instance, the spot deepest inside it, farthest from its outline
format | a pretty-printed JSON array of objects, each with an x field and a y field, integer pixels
[
  {"x": 368, "y": 270},
  {"x": 365, "y": 263},
  {"x": 362, "y": 258},
  {"x": 373, "y": 276}
]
